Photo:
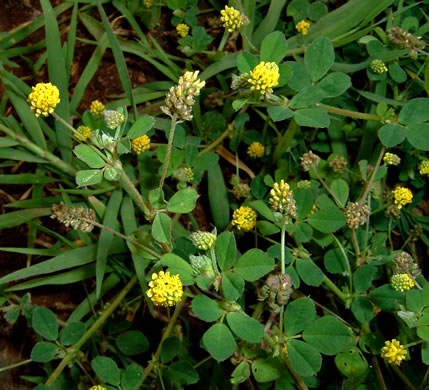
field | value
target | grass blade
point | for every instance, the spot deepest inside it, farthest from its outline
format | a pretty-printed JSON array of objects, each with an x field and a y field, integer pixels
[
  {"x": 119, "y": 59},
  {"x": 269, "y": 23},
  {"x": 105, "y": 240},
  {"x": 57, "y": 75}
]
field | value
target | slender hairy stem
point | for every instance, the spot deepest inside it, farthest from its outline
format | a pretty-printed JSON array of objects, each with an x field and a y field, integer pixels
[
  {"x": 167, "y": 332},
  {"x": 378, "y": 373},
  {"x": 403, "y": 377},
  {"x": 215, "y": 143},
  {"x": 123, "y": 236},
  {"x": 72, "y": 351},
  {"x": 349, "y": 270},
  {"x": 351, "y": 114},
  {"x": 14, "y": 365},
  {"x": 169, "y": 146},
  {"x": 371, "y": 181},
  {"x": 24, "y": 141},
  {"x": 337, "y": 201},
  {"x": 298, "y": 381},
  {"x": 283, "y": 268},
  {"x": 355, "y": 243},
  {"x": 132, "y": 190}
]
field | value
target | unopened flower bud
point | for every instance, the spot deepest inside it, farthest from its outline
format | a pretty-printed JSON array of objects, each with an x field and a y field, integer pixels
[
  {"x": 338, "y": 164},
  {"x": 401, "y": 282},
  {"x": 203, "y": 240}
]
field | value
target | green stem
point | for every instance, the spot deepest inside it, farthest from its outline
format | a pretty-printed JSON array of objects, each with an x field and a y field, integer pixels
[
  {"x": 351, "y": 114},
  {"x": 378, "y": 373},
  {"x": 223, "y": 40},
  {"x": 371, "y": 181},
  {"x": 349, "y": 270},
  {"x": 403, "y": 377},
  {"x": 123, "y": 236},
  {"x": 71, "y": 352},
  {"x": 2, "y": 369},
  {"x": 167, "y": 332},
  {"x": 169, "y": 146},
  {"x": 132, "y": 190},
  {"x": 283, "y": 268},
  {"x": 215, "y": 143},
  {"x": 67, "y": 168},
  {"x": 337, "y": 201},
  {"x": 334, "y": 288},
  {"x": 355, "y": 243}
]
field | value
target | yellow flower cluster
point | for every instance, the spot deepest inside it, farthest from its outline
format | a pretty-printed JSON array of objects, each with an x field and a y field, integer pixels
[
  {"x": 256, "y": 150},
  {"x": 98, "y": 387},
  {"x": 378, "y": 66},
  {"x": 182, "y": 29},
  {"x": 148, "y": 3},
  {"x": 424, "y": 167},
  {"x": 231, "y": 18},
  {"x": 43, "y": 98},
  {"x": 391, "y": 159},
  {"x": 282, "y": 200},
  {"x": 402, "y": 196},
  {"x": 401, "y": 282},
  {"x": 264, "y": 77},
  {"x": 302, "y": 27},
  {"x": 393, "y": 352},
  {"x": 140, "y": 144},
  {"x": 165, "y": 290},
  {"x": 84, "y": 131},
  {"x": 96, "y": 107},
  {"x": 244, "y": 218}
]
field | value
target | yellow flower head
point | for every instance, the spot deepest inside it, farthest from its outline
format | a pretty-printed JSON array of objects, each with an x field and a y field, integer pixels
[
  {"x": 98, "y": 387},
  {"x": 391, "y": 159},
  {"x": 96, "y": 107},
  {"x": 402, "y": 196},
  {"x": 182, "y": 29},
  {"x": 393, "y": 352},
  {"x": 264, "y": 77},
  {"x": 401, "y": 282},
  {"x": 84, "y": 131},
  {"x": 302, "y": 27},
  {"x": 231, "y": 18},
  {"x": 378, "y": 66},
  {"x": 282, "y": 200},
  {"x": 256, "y": 150},
  {"x": 43, "y": 98},
  {"x": 424, "y": 167},
  {"x": 244, "y": 218},
  {"x": 148, "y": 3},
  {"x": 140, "y": 144},
  {"x": 165, "y": 290}
]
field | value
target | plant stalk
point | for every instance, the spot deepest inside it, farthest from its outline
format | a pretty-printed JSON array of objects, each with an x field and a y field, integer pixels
[
  {"x": 71, "y": 352},
  {"x": 371, "y": 181},
  {"x": 169, "y": 146},
  {"x": 135, "y": 194},
  {"x": 351, "y": 114}
]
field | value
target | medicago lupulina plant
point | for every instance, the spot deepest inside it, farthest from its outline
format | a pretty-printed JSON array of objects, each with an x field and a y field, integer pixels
[{"x": 255, "y": 216}]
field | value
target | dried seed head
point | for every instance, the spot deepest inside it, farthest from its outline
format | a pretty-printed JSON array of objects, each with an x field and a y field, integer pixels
[
  {"x": 309, "y": 160},
  {"x": 405, "y": 264},
  {"x": 79, "y": 218},
  {"x": 241, "y": 190},
  {"x": 338, "y": 164},
  {"x": 356, "y": 214}
]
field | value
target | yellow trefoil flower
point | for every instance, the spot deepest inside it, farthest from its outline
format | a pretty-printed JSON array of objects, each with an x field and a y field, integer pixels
[
  {"x": 281, "y": 199},
  {"x": 43, "y": 98},
  {"x": 140, "y": 144},
  {"x": 402, "y": 196},
  {"x": 378, "y": 66},
  {"x": 401, "y": 282},
  {"x": 264, "y": 77},
  {"x": 244, "y": 218},
  {"x": 84, "y": 131},
  {"x": 391, "y": 159},
  {"x": 182, "y": 29},
  {"x": 256, "y": 150},
  {"x": 231, "y": 18},
  {"x": 424, "y": 167},
  {"x": 165, "y": 290},
  {"x": 97, "y": 387},
  {"x": 393, "y": 352},
  {"x": 96, "y": 107},
  {"x": 302, "y": 27}
]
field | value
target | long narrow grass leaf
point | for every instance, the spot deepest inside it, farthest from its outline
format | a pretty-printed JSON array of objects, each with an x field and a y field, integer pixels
[
  {"x": 119, "y": 58},
  {"x": 269, "y": 23},
  {"x": 73, "y": 276},
  {"x": 88, "y": 73},
  {"x": 16, "y": 218},
  {"x": 26, "y": 178},
  {"x": 105, "y": 240},
  {"x": 227, "y": 62},
  {"x": 34, "y": 251},
  {"x": 71, "y": 41},
  {"x": 57, "y": 75}
]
